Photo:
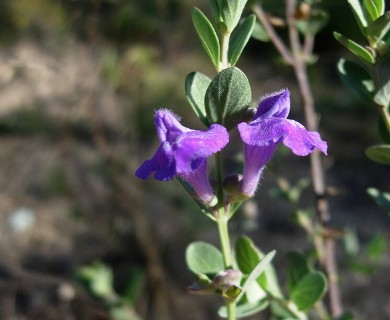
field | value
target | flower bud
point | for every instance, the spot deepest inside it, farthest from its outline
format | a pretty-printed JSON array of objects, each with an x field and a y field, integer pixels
[{"x": 226, "y": 279}]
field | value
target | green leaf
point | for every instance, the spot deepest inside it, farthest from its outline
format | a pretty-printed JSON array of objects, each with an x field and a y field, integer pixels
[
  {"x": 231, "y": 11},
  {"x": 378, "y": 33},
  {"x": 358, "y": 12},
  {"x": 259, "y": 33},
  {"x": 246, "y": 309},
  {"x": 228, "y": 97},
  {"x": 379, "y": 153},
  {"x": 207, "y": 35},
  {"x": 247, "y": 257},
  {"x": 355, "y": 48},
  {"x": 196, "y": 86},
  {"x": 216, "y": 12},
  {"x": 371, "y": 10},
  {"x": 381, "y": 198},
  {"x": 309, "y": 290},
  {"x": 382, "y": 97},
  {"x": 314, "y": 23},
  {"x": 204, "y": 258},
  {"x": 356, "y": 78},
  {"x": 298, "y": 268},
  {"x": 256, "y": 272},
  {"x": 380, "y": 6},
  {"x": 240, "y": 38}
]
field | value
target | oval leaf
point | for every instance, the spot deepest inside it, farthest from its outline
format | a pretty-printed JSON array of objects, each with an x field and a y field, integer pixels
[
  {"x": 231, "y": 11},
  {"x": 204, "y": 258},
  {"x": 298, "y": 269},
  {"x": 228, "y": 97},
  {"x": 379, "y": 153},
  {"x": 240, "y": 38},
  {"x": 358, "y": 12},
  {"x": 207, "y": 35},
  {"x": 356, "y": 78},
  {"x": 371, "y": 10},
  {"x": 309, "y": 290},
  {"x": 355, "y": 48},
  {"x": 196, "y": 86}
]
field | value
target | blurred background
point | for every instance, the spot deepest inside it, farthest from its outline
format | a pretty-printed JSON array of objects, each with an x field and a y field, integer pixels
[{"x": 81, "y": 237}]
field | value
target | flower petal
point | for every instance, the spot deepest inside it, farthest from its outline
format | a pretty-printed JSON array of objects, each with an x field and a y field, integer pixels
[
  {"x": 272, "y": 130},
  {"x": 276, "y": 104},
  {"x": 204, "y": 143},
  {"x": 162, "y": 163},
  {"x": 168, "y": 125},
  {"x": 301, "y": 141},
  {"x": 261, "y": 132}
]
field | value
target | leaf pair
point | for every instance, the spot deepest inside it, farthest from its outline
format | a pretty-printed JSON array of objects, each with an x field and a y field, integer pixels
[
  {"x": 374, "y": 24},
  {"x": 209, "y": 38}
]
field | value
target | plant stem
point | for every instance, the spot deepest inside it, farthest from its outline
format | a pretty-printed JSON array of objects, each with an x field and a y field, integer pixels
[
  {"x": 297, "y": 56},
  {"x": 317, "y": 170},
  {"x": 224, "y": 238},
  {"x": 222, "y": 219},
  {"x": 225, "y": 38},
  {"x": 223, "y": 230}
]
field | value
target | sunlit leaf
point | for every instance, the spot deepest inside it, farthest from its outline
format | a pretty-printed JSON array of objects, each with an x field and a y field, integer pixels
[
  {"x": 204, "y": 258},
  {"x": 207, "y": 35},
  {"x": 371, "y": 10},
  {"x": 231, "y": 11},
  {"x": 358, "y": 12},
  {"x": 228, "y": 97},
  {"x": 355, "y": 48},
  {"x": 240, "y": 38},
  {"x": 195, "y": 87}
]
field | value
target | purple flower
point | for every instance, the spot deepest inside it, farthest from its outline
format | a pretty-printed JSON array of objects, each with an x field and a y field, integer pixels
[
  {"x": 268, "y": 128},
  {"x": 183, "y": 152}
]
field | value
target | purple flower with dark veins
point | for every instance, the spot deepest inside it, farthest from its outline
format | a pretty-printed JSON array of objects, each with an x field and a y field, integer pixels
[
  {"x": 183, "y": 152},
  {"x": 268, "y": 128}
]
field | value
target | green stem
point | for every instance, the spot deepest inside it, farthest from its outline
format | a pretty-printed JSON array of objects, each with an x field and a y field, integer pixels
[
  {"x": 223, "y": 231},
  {"x": 224, "y": 238},
  {"x": 224, "y": 51},
  {"x": 222, "y": 219}
]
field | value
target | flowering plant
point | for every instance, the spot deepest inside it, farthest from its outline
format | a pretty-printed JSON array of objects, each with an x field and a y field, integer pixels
[{"x": 243, "y": 277}]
